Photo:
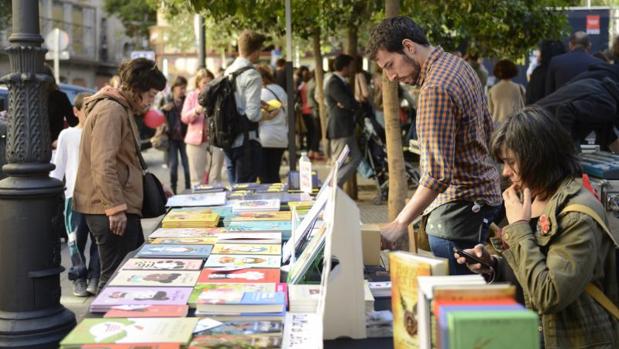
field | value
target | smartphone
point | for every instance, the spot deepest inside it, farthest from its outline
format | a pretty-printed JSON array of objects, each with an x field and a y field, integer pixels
[{"x": 471, "y": 258}]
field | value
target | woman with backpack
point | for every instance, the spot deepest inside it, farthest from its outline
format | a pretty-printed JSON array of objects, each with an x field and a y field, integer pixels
[
  {"x": 273, "y": 129},
  {"x": 557, "y": 247},
  {"x": 205, "y": 163}
]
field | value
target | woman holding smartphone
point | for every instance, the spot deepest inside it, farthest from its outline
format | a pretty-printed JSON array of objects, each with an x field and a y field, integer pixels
[{"x": 551, "y": 250}]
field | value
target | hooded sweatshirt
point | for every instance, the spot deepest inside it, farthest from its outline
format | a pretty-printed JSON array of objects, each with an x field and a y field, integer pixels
[{"x": 109, "y": 176}]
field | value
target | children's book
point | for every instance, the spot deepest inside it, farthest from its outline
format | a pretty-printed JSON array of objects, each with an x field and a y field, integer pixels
[
  {"x": 259, "y": 226},
  {"x": 131, "y": 330},
  {"x": 116, "y": 296},
  {"x": 190, "y": 219},
  {"x": 242, "y": 261},
  {"x": 258, "y": 249},
  {"x": 404, "y": 269},
  {"x": 250, "y": 238},
  {"x": 211, "y": 240},
  {"x": 174, "y": 251},
  {"x": 162, "y": 264},
  {"x": 245, "y": 275},
  {"x": 255, "y": 205},
  {"x": 155, "y": 278},
  {"x": 232, "y": 302},
  {"x": 269, "y": 341},
  {"x": 261, "y": 216},
  {"x": 244, "y": 328},
  {"x": 198, "y": 199},
  {"x": 125, "y": 311},
  {"x": 185, "y": 233},
  {"x": 239, "y": 287},
  {"x": 131, "y": 346}
]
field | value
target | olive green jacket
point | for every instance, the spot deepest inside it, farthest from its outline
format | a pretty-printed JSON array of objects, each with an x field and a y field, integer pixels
[{"x": 554, "y": 264}]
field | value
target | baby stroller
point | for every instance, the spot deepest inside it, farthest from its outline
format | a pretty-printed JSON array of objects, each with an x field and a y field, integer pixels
[{"x": 374, "y": 163}]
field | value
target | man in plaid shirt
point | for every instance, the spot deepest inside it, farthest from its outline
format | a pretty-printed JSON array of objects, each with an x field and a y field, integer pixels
[{"x": 459, "y": 191}]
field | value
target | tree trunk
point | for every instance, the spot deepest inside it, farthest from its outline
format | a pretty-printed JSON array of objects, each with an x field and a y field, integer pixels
[
  {"x": 320, "y": 93},
  {"x": 350, "y": 48},
  {"x": 398, "y": 187}
]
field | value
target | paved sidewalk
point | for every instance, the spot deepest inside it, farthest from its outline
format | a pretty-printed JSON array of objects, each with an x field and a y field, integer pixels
[{"x": 370, "y": 213}]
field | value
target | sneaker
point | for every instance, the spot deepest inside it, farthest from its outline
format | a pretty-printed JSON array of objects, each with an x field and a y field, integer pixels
[
  {"x": 93, "y": 286},
  {"x": 79, "y": 288}
]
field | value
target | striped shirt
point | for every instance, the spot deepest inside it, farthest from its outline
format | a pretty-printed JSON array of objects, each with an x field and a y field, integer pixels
[{"x": 454, "y": 128}]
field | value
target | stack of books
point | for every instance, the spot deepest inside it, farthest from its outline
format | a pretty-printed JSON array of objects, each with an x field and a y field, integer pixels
[
  {"x": 175, "y": 234},
  {"x": 179, "y": 218}
]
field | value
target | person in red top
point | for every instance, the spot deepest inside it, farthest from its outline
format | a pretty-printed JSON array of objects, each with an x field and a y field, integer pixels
[{"x": 458, "y": 192}]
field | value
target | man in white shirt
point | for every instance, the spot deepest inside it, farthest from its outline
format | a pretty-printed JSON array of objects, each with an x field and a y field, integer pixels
[
  {"x": 244, "y": 158},
  {"x": 66, "y": 158}
]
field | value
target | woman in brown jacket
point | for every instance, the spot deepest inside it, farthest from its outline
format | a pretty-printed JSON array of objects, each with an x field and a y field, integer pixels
[{"x": 108, "y": 189}]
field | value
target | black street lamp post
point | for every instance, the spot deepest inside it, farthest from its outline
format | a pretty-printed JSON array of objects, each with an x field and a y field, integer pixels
[{"x": 31, "y": 315}]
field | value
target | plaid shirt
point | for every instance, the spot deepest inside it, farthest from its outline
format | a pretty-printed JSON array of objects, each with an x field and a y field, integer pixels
[{"x": 454, "y": 129}]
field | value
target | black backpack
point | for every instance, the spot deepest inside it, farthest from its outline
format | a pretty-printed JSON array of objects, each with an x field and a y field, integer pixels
[{"x": 224, "y": 121}]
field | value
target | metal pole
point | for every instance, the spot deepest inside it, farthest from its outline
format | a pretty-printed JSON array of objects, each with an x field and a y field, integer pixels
[
  {"x": 31, "y": 315},
  {"x": 201, "y": 43},
  {"x": 57, "y": 55},
  {"x": 292, "y": 146}
]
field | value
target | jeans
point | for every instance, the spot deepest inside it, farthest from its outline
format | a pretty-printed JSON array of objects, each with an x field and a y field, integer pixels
[
  {"x": 271, "y": 162},
  {"x": 178, "y": 148},
  {"x": 75, "y": 222},
  {"x": 349, "y": 168},
  {"x": 442, "y": 247},
  {"x": 114, "y": 248},
  {"x": 244, "y": 162}
]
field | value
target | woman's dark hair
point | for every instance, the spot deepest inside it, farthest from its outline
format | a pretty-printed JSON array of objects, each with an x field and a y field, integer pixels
[
  {"x": 140, "y": 75},
  {"x": 549, "y": 49},
  {"x": 505, "y": 69},
  {"x": 389, "y": 34},
  {"x": 266, "y": 73},
  {"x": 179, "y": 81},
  {"x": 47, "y": 70},
  {"x": 543, "y": 149}
]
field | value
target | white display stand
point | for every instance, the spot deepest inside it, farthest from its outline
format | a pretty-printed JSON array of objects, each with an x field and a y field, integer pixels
[{"x": 344, "y": 308}]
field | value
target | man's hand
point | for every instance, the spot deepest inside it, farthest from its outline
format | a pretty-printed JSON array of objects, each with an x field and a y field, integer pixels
[
  {"x": 393, "y": 230},
  {"x": 516, "y": 208},
  {"x": 118, "y": 223},
  {"x": 167, "y": 191}
]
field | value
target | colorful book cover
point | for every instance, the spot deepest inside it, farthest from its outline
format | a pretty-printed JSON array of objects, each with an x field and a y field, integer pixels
[
  {"x": 244, "y": 328},
  {"x": 113, "y": 296},
  {"x": 258, "y": 249},
  {"x": 189, "y": 219},
  {"x": 260, "y": 226},
  {"x": 192, "y": 200},
  {"x": 506, "y": 329},
  {"x": 211, "y": 240},
  {"x": 242, "y": 261},
  {"x": 240, "y": 287},
  {"x": 262, "y": 216},
  {"x": 131, "y": 330},
  {"x": 180, "y": 251},
  {"x": 162, "y": 264},
  {"x": 155, "y": 278},
  {"x": 404, "y": 272},
  {"x": 232, "y": 302},
  {"x": 237, "y": 341},
  {"x": 256, "y": 205},
  {"x": 185, "y": 233},
  {"x": 125, "y": 311},
  {"x": 250, "y": 238},
  {"x": 132, "y": 346},
  {"x": 246, "y": 275}
]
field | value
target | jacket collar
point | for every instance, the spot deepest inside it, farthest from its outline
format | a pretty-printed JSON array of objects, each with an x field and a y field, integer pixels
[
  {"x": 567, "y": 189},
  {"x": 427, "y": 65}
]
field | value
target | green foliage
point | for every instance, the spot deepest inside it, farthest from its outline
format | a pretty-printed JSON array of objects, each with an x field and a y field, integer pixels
[
  {"x": 494, "y": 28},
  {"x": 136, "y": 15},
  {"x": 5, "y": 14}
]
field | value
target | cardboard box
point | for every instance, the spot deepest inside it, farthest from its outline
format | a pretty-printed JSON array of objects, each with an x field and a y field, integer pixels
[{"x": 370, "y": 239}]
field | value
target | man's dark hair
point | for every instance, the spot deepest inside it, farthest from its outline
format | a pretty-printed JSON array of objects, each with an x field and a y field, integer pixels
[
  {"x": 280, "y": 63},
  {"x": 79, "y": 100},
  {"x": 342, "y": 61},
  {"x": 543, "y": 149},
  {"x": 140, "y": 75},
  {"x": 179, "y": 81},
  {"x": 505, "y": 69},
  {"x": 389, "y": 34}
]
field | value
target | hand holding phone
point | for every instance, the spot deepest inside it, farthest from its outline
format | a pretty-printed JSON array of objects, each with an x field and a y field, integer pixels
[{"x": 473, "y": 259}]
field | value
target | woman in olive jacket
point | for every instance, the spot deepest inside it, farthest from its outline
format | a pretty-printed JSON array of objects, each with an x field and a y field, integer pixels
[{"x": 552, "y": 252}]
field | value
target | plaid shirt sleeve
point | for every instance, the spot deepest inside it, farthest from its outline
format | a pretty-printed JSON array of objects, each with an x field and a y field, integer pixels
[{"x": 436, "y": 130}]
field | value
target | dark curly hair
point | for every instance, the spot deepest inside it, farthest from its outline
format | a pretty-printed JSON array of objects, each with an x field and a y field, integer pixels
[
  {"x": 544, "y": 150},
  {"x": 505, "y": 69},
  {"x": 389, "y": 34},
  {"x": 140, "y": 75}
]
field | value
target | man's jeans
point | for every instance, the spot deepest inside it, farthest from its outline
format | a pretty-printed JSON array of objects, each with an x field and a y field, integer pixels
[
  {"x": 349, "y": 168},
  {"x": 178, "y": 148},
  {"x": 244, "y": 163}
]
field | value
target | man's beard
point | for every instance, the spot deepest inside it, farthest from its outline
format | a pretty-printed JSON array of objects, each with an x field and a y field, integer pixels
[{"x": 414, "y": 76}]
